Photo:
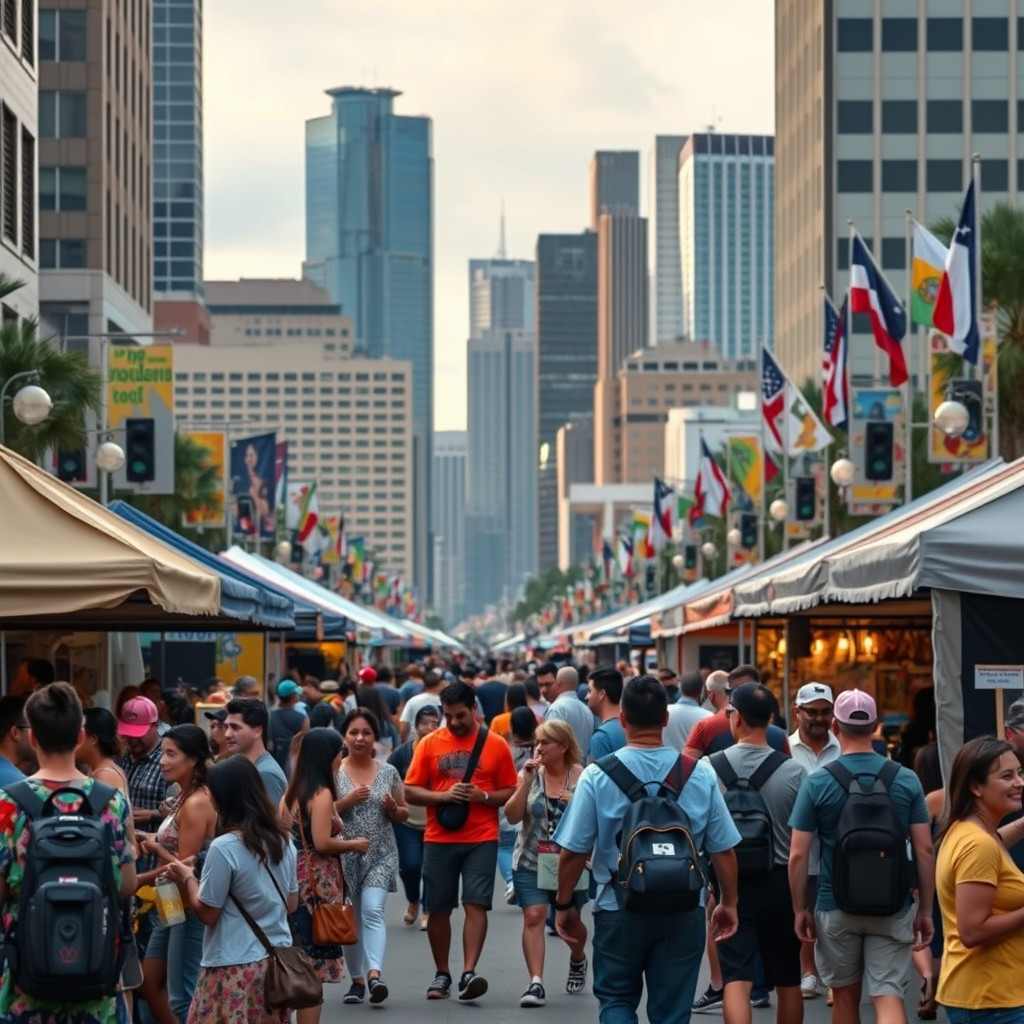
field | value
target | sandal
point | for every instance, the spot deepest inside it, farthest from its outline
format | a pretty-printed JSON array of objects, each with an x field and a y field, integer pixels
[
  {"x": 927, "y": 1008},
  {"x": 410, "y": 915}
]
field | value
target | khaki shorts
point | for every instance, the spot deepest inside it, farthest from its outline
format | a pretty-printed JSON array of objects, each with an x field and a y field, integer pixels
[{"x": 852, "y": 946}]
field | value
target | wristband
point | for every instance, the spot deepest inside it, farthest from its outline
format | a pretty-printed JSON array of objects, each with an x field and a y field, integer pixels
[{"x": 564, "y": 906}]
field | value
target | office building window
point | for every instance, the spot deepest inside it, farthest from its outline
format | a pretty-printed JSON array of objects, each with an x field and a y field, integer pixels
[
  {"x": 945, "y": 176},
  {"x": 853, "y": 35},
  {"x": 945, "y": 35},
  {"x": 989, "y": 116},
  {"x": 11, "y": 20},
  {"x": 894, "y": 253},
  {"x": 991, "y": 35},
  {"x": 62, "y": 114},
  {"x": 58, "y": 253},
  {"x": 899, "y": 117},
  {"x": 11, "y": 167},
  {"x": 995, "y": 175},
  {"x": 62, "y": 189},
  {"x": 61, "y": 35},
  {"x": 899, "y": 35},
  {"x": 28, "y": 189},
  {"x": 854, "y": 176},
  {"x": 854, "y": 117},
  {"x": 28, "y": 31},
  {"x": 899, "y": 175},
  {"x": 945, "y": 117}
]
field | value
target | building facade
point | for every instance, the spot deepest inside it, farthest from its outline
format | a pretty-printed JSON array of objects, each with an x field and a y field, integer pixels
[
  {"x": 664, "y": 262},
  {"x": 614, "y": 184},
  {"x": 726, "y": 241},
  {"x": 501, "y": 294},
  {"x": 879, "y": 112},
  {"x": 449, "y": 525}
]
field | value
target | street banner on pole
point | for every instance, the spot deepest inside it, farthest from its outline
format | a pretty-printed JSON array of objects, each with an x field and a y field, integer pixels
[
  {"x": 214, "y": 445},
  {"x": 874, "y": 405},
  {"x": 252, "y": 486}
]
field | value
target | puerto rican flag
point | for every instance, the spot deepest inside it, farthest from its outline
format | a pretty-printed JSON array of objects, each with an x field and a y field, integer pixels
[
  {"x": 870, "y": 293},
  {"x": 712, "y": 489},
  {"x": 956, "y": 312},
  {"x": 837, "y": 379}
]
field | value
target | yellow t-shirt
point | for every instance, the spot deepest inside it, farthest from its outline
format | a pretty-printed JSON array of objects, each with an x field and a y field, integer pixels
[{"x": 985, "y": 977}]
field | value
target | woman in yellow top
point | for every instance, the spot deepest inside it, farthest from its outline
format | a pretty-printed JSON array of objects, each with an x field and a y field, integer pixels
[{"x": 980, "y": 889}]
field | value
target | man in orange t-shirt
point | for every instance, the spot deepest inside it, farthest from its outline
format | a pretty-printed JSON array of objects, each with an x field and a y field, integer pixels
[{"x": 469, "y": 852}]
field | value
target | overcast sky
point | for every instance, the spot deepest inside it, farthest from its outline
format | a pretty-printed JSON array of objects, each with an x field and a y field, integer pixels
[{"x": 521, "y": 93}]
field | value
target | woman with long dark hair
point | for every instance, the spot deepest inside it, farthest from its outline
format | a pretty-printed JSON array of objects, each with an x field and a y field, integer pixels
[
  {"x": 387, "y": 735},
  {"x": 980, "y": 889},
  {"x": 308, "y": 807},
  {"x": 251, "y": 863},
  {"x": 101, "y": 749},
  {"x": 170, "y": 967}
]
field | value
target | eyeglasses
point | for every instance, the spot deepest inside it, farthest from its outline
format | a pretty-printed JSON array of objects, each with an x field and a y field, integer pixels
[{"x": 815, "y": 713}]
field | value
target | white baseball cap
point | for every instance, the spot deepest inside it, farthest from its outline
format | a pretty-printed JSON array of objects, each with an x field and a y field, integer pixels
[{"x": 813, "y": 691}]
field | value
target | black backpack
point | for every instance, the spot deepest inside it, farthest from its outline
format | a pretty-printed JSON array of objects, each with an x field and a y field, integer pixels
[
  {"x": 659, "y": 868},
  {"x": 873, "y": 861},
  {"x": 66, "y": 939},
  {"x": 755, "y": 854}
]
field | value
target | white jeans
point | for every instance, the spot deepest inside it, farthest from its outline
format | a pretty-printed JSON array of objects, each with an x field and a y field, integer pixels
[{"x": 368, "y": 953}]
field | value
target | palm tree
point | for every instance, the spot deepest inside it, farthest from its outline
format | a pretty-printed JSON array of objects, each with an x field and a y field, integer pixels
[
  {"x": 1002, "y": 286},
  {"x": 66, "y": 376}
]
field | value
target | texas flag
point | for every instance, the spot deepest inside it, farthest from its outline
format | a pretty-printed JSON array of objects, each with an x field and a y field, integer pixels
[
  {"x": 870, "y": 293},
  {"x": 956, "y": 313},
  {"x": 712, "y": 489}
]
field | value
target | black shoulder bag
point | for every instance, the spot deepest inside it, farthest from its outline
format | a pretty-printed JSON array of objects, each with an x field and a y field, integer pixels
[{"x": 452, "y": 815}]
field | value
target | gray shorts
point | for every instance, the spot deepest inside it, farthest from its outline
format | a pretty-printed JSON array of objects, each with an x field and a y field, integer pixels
[
  {"x": 854, "y": 946},
  {"x": 445, "y": 863}
]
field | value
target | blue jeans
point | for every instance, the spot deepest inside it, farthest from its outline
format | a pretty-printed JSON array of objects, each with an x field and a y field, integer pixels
[
  {"x": 410, "y": 862},
  {"x": 368, "y": 953},
  {"x": 667, "y": 949},
  {"x": 180, "y": 946},
  {"x": 1003, "y": 1015},
  {"x": 506, "y": 844}
]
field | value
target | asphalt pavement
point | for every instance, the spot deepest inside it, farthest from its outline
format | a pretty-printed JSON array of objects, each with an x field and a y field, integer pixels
[{"x": 409, "y": 969}]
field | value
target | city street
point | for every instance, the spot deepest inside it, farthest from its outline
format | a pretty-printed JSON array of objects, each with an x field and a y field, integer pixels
[{"x": 408, "y": 969}]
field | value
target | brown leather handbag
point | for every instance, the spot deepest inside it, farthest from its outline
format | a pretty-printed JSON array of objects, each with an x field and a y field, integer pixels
[{"x": 334, "y": 924}]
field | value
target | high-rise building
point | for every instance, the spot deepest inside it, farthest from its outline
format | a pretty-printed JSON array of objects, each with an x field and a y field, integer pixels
[
  {"x": 667, "y": 283},
  {"x": 449, "y": 525},
  {"x": 95, "y": 167},
  {"x": 726, "y": 216},
  {"x": 878, "y": 112},
  {"x": 370, "y": 242},
  {"x": 566, "y": 362},
  {"x": 614, "y": 184},
  {"x": 501, "y": 294},
  {"x": 18, "y": 135}
]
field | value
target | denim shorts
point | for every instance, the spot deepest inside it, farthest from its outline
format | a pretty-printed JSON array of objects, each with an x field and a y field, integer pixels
[
  {"x": 1001, "y": 1015},
  {"x": 529, "y": 895}
]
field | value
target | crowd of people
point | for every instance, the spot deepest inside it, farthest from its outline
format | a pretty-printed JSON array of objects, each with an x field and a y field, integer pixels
[{"x": 808, "y": 853}]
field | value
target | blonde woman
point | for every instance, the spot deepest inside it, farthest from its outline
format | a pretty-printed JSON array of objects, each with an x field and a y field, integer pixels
[{"x": 546, "y": 784}]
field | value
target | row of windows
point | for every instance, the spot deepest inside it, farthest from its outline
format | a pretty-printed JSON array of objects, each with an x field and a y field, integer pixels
[
  {"x": 942, "y": 35},
  {"x": 18, "y": 27},
  {"x": 325, "y": 375},
  {"x": 17, "y": 183},
  {"x": 293, "y": 332},
  {"x": 903, "y": 175},
  {"x": 942, "y": 117}
]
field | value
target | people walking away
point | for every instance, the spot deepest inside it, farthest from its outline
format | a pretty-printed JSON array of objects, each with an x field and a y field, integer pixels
[
  {"x": 245, "y": 732},
  {"x": 564, "y": 704},
  {"x": 371, "y": 799},
  {"x": 248, "y": 869},
  {"x": 760, "y": 787},
  {"x": 670, "y": 681},
  {"x": 713, "y": 734},
  {"x": 490, "y": 692},
  {"x": 546, "y": 784},
  {"x": 409, "y": 833},
  {"x": 864, "y": 920},
  {"x": 54, "y": 716},
  {"x": 604, "y": 691},
  {"x": 384, "y": 684},
  {"x": 632, "y": 947},
  {"x": 285, "y": 721},
  {"x": 316, "y": 829},
  {"x": 15, "y": 749},
  {"x": 462, "y": 774}
]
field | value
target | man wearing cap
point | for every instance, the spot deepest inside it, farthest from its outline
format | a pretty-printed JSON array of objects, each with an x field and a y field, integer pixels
[
  {"x": 433, "y": 683},
  {"x": 765, "y": 906},
  {"x": 812, "y": 745},
  {"x": 852, "y": 948},
  {"x": 285, "y": 721}
]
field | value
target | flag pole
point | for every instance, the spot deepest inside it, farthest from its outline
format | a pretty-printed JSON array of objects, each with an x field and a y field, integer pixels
[
  {"x": 848, "y": 326},
  {"x": 763, "y": 510},
  {"x": 976, "y": 179},
  {"x": 908, "y": 443},
  {"x": 827, "y": 529}
]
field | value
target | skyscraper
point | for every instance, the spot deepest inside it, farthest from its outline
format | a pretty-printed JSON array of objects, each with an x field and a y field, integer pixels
[
  {"x": 370, "y": 243},
  {"x": 875, "y": 115},
  {"x": 667, "y": 291},
  {"x": 448, "y": 518},
  {"x": 501, "y": 294},
  {"x": 726, "y": 241},
  {"x": 566, "y": 362},
  {"x": 614, "y": 184}
]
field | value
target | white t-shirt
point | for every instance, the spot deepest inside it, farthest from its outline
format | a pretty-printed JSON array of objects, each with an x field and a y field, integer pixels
[{"x": 421, "y": 700}]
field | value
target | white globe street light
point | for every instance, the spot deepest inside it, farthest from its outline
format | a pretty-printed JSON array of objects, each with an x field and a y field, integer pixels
[
  {"x": 778, "y": 510},
  {"x": 109, "y": 457},
  {"x": 283, "y": 551},
  {"x": 678, "y": 560},
  {"x": 734, "y": 537},
  {"x": 842, "y": 472},
  {"x": 32, "y": 405},
  {"x": 950, "y": 417},
  {"x": 708, "y": 550}
]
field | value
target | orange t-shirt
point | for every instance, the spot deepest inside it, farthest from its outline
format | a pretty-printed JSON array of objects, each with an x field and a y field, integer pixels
[
  {"x": 501, "y": 725},
  {"x": 439, "y": 763}
]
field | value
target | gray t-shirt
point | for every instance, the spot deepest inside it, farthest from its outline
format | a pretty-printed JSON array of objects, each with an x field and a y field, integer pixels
[
  {"x": 778, "y": 793},
  {"x": 231, "y": 868},
  {"x": 274, "y": 780}
]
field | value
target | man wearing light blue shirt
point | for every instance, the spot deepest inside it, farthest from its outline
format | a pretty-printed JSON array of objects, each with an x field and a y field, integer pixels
[
  {"x": 629, "y": 947},
  {"x": 566, "y": 706}
]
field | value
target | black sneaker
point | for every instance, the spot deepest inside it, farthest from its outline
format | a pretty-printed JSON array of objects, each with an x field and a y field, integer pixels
[
  {"x": 534, "y": 995},
  {"x": 441, "y": 986},
  {"x": 577, "y": 977},
  {"x": 378, "y": 990},
  {"x": 356, "y": 993},
  {"x": 471, "y": 986},
  {"x": 712, "y": 997}
]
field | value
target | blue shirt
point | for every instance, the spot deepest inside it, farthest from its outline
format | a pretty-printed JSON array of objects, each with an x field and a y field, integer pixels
[
  {"x": 595, "y": 812},
  {"x": 608, "y": 737},
  {"x": 9, "y": 773},
  {"x": 820, "y": 802}
]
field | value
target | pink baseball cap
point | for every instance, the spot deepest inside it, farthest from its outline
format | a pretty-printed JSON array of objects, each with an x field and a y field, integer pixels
[
  {"x": 855, "y": 707},
  {"x": 138, "y": 716}
]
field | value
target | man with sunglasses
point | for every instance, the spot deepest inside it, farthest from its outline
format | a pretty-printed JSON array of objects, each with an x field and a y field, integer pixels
[
  {"x": 812, "y": 745},
  {"x": 15, "y": 750}
]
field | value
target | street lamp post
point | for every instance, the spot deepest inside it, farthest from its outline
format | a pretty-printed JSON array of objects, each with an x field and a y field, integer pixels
[{"x": 31, "y": 404}]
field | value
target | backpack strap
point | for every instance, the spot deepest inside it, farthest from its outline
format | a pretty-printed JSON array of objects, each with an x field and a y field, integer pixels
[
  {"x": 767, "y": 768},
  {"x": 26, "y": 798},
  {"x": 679, "y": 774},
  {"x": 888, "y": 773},
  {"x": 724, "y": 769},
  {"x": 841, "y": 774},
  {"x": 622, "y": 777}
]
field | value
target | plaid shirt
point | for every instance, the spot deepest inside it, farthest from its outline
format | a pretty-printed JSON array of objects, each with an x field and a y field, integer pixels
[{"x": 147, "y": 789}]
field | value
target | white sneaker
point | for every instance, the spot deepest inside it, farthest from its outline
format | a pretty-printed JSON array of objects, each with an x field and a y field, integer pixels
[
  {"x": 510, "y": 896},
  {"x": 809, "y": 986}
]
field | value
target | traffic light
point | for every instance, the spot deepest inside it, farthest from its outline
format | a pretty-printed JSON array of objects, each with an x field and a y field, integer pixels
[
  {"x": 748, "y": 531},
  {"x": 689, "y": 556},
  {"x": 878, "y": 451},
  {"x": 140, "y": 450},
  {"x": 806, "y": 499},
  {"x": 71, "y": 465},
  {"x": 650, "y": 577}
]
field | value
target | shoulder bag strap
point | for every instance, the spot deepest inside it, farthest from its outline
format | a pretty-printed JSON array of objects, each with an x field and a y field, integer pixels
[
  {"x": 766, "y": 769},
  {"x": 257, "y": 930},
  {"x": 309, "y": 865},
  {"x": 474, "y": 757}
]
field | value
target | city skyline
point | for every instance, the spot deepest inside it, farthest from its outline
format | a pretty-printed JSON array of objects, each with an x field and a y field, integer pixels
[{"x": 500, "y": 131}]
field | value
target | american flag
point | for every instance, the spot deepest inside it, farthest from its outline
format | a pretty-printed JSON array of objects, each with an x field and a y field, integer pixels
[
  {"x": 836, "y": 398},
  {"x": 773, "y": 399},
  {"x": 831, "y": 322}
]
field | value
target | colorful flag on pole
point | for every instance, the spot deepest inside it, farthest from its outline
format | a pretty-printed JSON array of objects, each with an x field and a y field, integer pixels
[
  {"x": 309, "y": 519},
  {"x": 836, "y": 393},
  {"x": 804, "y": 431},
  {"x": 773, "y": 401},
  {"x": 625, "y": 555},
  {"x": 870, "y": 293},
  {"x": 608, "y": 560},
  {"x": 956, "y": 312},
  {"x": 712, "y": 488},
  {"x": 356, "y": 559},
  {"x": 665, "y": 509},
  {"x": 927, "y": 266},
  {"x": 831, "y": 320},
  {"x": 642, "y": 547}
]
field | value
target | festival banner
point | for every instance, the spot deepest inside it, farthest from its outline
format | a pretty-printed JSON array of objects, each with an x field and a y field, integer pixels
[
  {"x": 252, "y": 487},
  {"x": 214, "y": 446},
  {"x": 746, "y": 477}
]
